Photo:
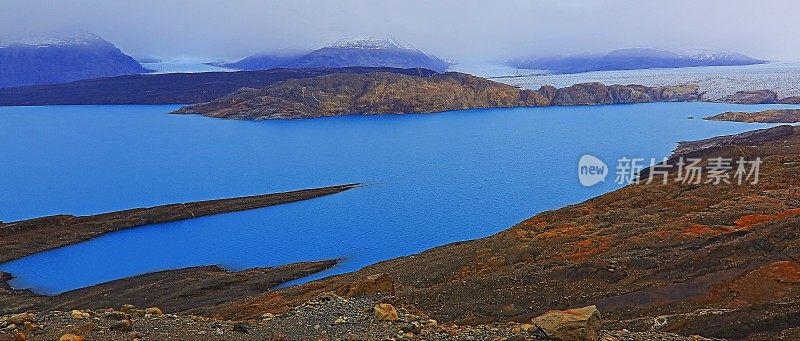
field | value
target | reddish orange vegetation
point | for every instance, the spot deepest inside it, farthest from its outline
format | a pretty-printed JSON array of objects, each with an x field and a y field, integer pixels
[
  {"x": 700, "y": 230},
  {"x": 785, "y": 271},
  {"x": 768, "y": 283},
  {"x": 490, "y": 263},
  {"x": 585, "y": 249},
  {"x": 650, "y": 236},
  {"x": 563, "y": 231},
  {"x": 754, "y": 219},
  {"x": 536, "y": 221}
]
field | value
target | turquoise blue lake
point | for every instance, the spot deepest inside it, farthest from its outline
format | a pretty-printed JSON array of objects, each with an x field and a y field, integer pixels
[{"x": 429, "y": 179}]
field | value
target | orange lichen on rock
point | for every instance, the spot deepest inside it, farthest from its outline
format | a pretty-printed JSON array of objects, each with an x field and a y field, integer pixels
[
  {"x": 700, "y": 230},
  {"x": 653, "y": 235},
  {"x": 768, "y": 283},
  {"x": 783, "y": 271},
  {"x": 475, "y": 269},
  {"x": 562, "y": 231},
  {"x": 755, "y": 219},
  {"x": 585, "y": 249}
]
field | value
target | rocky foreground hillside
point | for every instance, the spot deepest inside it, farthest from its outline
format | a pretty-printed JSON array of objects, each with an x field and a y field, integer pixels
[
  {"x": 391, "y": 93},
  {"x": 326, "y": 317},
  {"x": 716, "y": 260}
]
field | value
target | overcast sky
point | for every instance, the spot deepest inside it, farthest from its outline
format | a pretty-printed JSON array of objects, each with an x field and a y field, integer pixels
[{"x": 457, "y": 29}]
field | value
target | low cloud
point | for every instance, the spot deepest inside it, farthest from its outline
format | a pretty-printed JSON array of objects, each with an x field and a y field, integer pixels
[{"x": 460, "y": 30}]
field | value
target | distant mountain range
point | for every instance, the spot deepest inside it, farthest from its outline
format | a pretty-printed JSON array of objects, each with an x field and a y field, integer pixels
[
  {"x": 62, "y": 59},
  {"x": 635, "y": 59},
  {"x": 367, "y": 52}
]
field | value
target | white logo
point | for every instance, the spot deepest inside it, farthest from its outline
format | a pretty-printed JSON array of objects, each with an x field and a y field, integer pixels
[{"x": 591, "y": 170}]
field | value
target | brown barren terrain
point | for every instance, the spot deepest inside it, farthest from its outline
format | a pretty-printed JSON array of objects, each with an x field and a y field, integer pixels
[{"x": 716, "y": 260}]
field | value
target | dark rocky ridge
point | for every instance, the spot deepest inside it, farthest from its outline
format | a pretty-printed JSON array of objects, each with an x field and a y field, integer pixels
[
  {"x": 716, "y": 260},
  {"x": 195, "y": 290},
  {"x": 392, "y": 93},
  {"x": 765, "y": 116},
  {"x": 22, "y": 238},
  {"x": 173, "y": 88}
]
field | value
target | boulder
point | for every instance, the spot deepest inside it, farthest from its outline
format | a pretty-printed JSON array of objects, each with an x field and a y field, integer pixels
[
  {"x": 380, "y": 283},
  {"x": 581, "y": 324},
  {"x": 115, "y": 315},
  {"x": 122, "y": 326},
  {"x": 71, "y": 337},
  {"x": 77, "y": 314},
  {"x": 241, "y": 327},
  {"x": 127, "y": 308},
  {"x": 32, "y": 326},
  {"x": 21, "y": 318},
  {"x": 153, "y": 311},
  {"x": 86, "y": 328},
  {"x": 385, "y": 312},
  {"x": 277, "y": 337}
]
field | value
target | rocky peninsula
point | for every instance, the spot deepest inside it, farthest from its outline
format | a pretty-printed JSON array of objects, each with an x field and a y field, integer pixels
[
  {"x": 393, "y": 93},
  {"x": 764, "y": 116},
  {"x": 22, "y": 238}
]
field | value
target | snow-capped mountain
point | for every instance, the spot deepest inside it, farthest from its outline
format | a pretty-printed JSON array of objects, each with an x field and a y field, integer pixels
[
  {"x": 76, "y": 38},
  {"x": 366, "y": 51},
  {"x": 635, "y": 59},
  {"x": 721, "y": 56},
  {"x": 61, "y": 58},
  {"x": 369, "y": 43}
]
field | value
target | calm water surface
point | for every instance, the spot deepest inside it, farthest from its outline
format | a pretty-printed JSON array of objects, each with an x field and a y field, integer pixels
[{"x": 430, "y": 179}]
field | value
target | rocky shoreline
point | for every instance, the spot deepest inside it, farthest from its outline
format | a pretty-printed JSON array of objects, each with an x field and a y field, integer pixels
[{"x": 21, "y": 238}]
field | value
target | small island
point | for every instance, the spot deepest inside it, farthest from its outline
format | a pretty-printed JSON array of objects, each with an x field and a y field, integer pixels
[
  {"x": 394, "y": 93},
  {"x": 765, "y": 116}
]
